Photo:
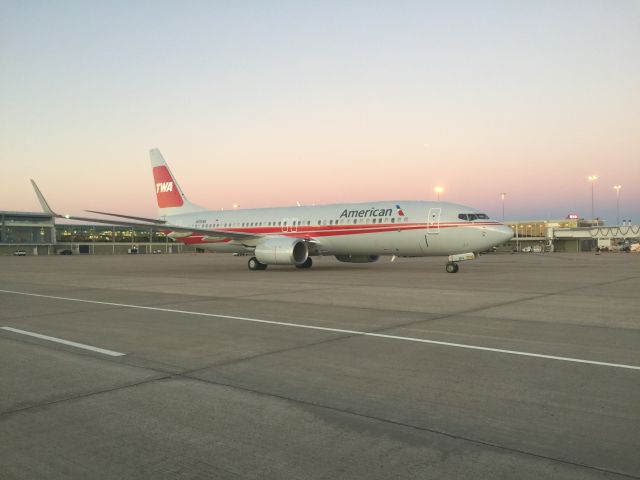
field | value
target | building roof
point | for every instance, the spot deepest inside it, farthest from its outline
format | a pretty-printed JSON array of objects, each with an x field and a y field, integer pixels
[{"x": 25, "y": 214}]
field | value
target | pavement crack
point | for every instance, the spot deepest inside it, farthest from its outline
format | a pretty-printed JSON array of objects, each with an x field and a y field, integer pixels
[
  {"x": 388, "y": 328},
  {"x": 81, "y": 396},
  {"x": 411, "y": 426}
]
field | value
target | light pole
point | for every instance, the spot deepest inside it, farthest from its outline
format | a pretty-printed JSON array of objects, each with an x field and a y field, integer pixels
[
  {"x": 592, "y": 179},
  {"x": 438, "y": 191},
  {"x": 502, "y": 195},
  {"x": 617, "y": 189}
]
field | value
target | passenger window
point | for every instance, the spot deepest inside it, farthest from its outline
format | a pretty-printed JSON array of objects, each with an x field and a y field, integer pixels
[{"x": 393, "y": 220}]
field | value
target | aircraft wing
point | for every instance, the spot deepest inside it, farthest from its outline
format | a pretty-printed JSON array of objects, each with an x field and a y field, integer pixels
[
  {"x": 143, "y": 219},
  {"x": 211, "y": 234}
]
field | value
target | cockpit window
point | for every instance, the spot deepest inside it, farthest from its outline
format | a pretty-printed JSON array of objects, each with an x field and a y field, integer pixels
[{"x": 473, "y": 216}]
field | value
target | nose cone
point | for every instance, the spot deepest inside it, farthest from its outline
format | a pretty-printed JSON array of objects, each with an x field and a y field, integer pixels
[
  {"x": 502, "y": 233},
  {"x": 498, "y": 234}
]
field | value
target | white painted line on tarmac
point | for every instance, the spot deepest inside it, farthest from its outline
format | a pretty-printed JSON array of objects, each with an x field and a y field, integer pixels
[
  {"x": 338, "y": 330},
  {"x": 65, "y": 342}
]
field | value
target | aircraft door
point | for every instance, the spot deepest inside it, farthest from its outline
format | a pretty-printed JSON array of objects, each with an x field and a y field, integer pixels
[{"x": 433, "y": 221}]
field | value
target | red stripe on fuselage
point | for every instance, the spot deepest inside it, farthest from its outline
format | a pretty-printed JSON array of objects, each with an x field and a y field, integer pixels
[{"x": 306, "y": 231}]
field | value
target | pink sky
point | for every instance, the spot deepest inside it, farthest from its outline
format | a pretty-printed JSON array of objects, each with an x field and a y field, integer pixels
[{"x": 322, "y": 104}]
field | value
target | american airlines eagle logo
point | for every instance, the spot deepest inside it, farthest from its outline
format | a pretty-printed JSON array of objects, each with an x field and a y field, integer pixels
[
  {"x": 399, "y": 210},
  {"x": 163, "y": 187}
]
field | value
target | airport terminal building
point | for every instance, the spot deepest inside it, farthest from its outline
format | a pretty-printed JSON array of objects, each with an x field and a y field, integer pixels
[
  {"x": 36, "y": 230},
  {"x": 36, "y": 233},
  {"x": 568, "y": 235}
]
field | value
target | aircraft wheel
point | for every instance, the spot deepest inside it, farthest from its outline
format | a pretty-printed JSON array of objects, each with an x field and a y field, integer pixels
[
  {"x": 307, "y": 263},
  {"x": 254, "y": 264},
  {"x": 452, "y": 267}
]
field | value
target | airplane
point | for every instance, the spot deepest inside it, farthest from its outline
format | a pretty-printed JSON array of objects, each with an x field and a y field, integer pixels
[{"x": 354, "y": 232}]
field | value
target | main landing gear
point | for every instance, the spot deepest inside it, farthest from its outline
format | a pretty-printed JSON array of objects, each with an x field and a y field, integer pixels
[
  {"x": 306, "y": 264},
  {"x": 452, "y": 267},
  {"x": 254, "y": 264}
]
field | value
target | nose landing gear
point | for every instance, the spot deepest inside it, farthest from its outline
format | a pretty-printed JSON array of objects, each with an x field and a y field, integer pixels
[{"x": 452, "y": 266}]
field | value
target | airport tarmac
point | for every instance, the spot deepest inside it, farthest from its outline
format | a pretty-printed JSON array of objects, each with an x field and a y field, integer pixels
[{"x": 519, "y": 366}]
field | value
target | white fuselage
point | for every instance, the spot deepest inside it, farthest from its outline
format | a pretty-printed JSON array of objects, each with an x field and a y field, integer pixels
[{"x": 404, "y": 228}]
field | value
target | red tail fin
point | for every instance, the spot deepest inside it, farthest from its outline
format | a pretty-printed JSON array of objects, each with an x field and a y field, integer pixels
[
  {"x": 171, "y": 199},
  {"x": 167, "y": 192}
]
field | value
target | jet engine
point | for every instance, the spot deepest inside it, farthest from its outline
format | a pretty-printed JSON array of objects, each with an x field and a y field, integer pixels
[
  {"x": 282, "y": 251},
  {"x": 357, "y": 258}
]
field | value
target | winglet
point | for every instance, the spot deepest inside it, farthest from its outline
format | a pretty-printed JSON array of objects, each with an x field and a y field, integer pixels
[{"x": 43, "y": 202}]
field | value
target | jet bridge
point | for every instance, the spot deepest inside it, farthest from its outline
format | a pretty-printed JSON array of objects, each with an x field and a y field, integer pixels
[
  {"x": 598, "y": 233},
  {"x": 587, "y": 238}
]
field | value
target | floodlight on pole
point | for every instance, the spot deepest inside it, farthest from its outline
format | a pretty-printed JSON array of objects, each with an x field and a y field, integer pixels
[
  {"x": 438, "y": 191},
  {"x": 592, "y": 179},
  {"x": 617, "y": 189},
  {"x": 502, "y": 195}
]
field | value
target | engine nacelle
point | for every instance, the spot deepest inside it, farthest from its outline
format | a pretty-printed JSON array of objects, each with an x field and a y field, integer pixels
[
  {"x": 357, "y": 258},
  {"x": 282, "y": 251}
]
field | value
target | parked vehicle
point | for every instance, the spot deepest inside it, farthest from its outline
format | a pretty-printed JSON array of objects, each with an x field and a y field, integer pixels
[
  {"x": 65, "y": 252},
  {"x": 20, "y": 253}
]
